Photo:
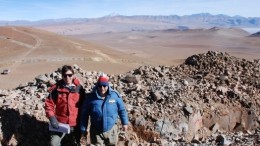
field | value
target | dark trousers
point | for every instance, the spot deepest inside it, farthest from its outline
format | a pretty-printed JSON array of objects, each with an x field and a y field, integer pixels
[
  {"x": 71, "y": 139},
  {"x": 108, "y": 138}
]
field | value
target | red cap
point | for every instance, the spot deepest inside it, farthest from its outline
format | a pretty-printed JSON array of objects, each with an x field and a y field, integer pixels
[{"x": 103, "y": 80}]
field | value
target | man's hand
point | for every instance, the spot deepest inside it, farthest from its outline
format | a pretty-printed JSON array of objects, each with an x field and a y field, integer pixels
[
  {"x": 125, "y": 127},
  {"x": 54, "y": 122},
  {"x": 83, "y": 138}
]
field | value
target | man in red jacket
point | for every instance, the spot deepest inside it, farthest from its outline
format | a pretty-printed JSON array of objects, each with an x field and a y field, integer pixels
[{"x": 62, "y": 107}]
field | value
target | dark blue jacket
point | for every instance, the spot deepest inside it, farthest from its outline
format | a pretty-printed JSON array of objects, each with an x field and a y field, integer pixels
[{"x": 103, "y": 113}]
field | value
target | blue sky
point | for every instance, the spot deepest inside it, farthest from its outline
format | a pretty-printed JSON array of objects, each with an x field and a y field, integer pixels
[{"x": 53, "y": 9}]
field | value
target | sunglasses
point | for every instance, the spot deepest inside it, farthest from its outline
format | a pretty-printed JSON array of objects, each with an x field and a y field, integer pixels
[
  {"x": 67, "y": 75},
  {"x": 102, "y": 86}
]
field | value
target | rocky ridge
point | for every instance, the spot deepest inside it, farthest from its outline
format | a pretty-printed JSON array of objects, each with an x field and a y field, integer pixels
[{"x": 210, "y": 99}]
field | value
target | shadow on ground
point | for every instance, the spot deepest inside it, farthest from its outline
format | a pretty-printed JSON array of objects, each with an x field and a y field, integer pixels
[{"x": 22, "y": 130}]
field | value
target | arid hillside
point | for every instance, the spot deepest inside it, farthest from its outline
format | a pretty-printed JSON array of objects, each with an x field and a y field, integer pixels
[{"x": 28, "y": 52}]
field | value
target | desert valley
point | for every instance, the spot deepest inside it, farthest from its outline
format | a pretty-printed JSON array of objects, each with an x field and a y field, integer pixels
[{"x": 30, "y": 51}]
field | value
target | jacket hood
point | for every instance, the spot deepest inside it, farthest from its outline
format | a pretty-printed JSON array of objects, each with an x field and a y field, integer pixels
[{"x": 76, "y": 81}]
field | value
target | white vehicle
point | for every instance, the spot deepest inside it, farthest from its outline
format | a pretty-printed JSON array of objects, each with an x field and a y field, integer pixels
[{"x": 5, "y": 71}]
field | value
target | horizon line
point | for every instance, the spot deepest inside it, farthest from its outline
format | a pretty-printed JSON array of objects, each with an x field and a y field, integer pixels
[{"x": 115, "y": 15}]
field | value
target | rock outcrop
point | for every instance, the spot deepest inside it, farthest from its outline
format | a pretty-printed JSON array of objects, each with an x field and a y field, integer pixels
[{"x": 211, "y": 99}]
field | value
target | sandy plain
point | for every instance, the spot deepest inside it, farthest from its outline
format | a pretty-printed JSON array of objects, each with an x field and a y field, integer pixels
[{"x": 28, "y": 52}]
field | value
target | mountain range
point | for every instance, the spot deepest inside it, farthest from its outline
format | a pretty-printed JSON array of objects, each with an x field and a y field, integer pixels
[{"x": 144, "y": 22}]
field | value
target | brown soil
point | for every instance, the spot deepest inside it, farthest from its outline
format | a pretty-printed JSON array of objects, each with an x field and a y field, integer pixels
[{"x": 29, "y": 52}]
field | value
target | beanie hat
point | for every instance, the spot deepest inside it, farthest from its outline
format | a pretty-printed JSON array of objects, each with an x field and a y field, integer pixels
[{"x": 103, "y": 79}]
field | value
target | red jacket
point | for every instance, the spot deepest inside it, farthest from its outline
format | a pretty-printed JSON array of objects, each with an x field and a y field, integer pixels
[{"x": 64, "y": 103}]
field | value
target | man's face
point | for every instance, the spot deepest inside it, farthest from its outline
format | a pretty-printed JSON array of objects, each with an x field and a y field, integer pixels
[
  {"x": 67, "y": 77},
  {"x": 102, "y": 89}
]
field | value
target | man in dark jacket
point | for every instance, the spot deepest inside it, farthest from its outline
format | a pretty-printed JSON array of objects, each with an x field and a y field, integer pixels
[
  {"x": 103, "y": 106},
  {"x": 62, "y": 107}
]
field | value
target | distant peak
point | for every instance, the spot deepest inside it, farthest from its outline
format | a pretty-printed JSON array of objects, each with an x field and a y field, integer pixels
[
  {"x": 215, "y": 28},
  {"x": 112, "y": 15},
  {"x": 257, "y": 34},
  {"x": 201, "y": 14}
]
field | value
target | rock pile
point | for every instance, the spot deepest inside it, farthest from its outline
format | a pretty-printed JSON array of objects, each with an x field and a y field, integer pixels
[{"x": 211, "y": 99}]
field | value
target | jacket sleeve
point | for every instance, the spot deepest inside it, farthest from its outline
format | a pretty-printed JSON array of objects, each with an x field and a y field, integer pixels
[
  {"x": 122, "y": 111},
  {"x": 84, "y": 115},
  {"x": 50, "y": 104},
  {"x": 80, "y": 90},
  {"x": 82, "y": 96}
]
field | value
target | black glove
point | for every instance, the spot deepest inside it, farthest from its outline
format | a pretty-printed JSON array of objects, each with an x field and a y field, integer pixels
[{"x": 54, "y": 122}]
